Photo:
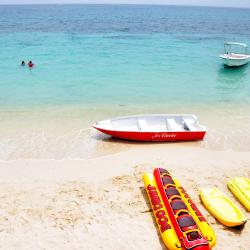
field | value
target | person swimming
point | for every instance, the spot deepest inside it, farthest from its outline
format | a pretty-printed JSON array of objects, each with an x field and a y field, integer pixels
[
  {"x": 22, "y": 63},
  {"x": 31, "y": 64}
]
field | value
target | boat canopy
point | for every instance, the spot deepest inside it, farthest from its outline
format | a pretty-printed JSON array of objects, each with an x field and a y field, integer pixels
[{"x": 230, "y": 45}]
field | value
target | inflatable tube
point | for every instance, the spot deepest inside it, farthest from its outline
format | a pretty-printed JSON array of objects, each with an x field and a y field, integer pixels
[
  {"x": 184, "y": 224},
  {"x": 216, "y": 202},
  {"x": 240, "y": 187},
  {"x": 201, "y": 222},
  {"x": 165, "y": 226},
  {"x": 181, "y": 224}
]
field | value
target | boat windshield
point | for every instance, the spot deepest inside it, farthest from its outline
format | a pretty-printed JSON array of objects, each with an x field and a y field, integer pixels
[{"x": 235, "y": 48}]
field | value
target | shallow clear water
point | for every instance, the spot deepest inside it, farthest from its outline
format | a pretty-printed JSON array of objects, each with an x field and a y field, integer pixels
[{"x": 94, "y": 61}]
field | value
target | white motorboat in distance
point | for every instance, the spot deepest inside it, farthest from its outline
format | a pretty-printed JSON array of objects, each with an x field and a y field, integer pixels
[{"x": 235, "y": 54}]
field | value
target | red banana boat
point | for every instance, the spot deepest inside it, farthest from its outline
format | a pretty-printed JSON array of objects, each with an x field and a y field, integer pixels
[{"x": 181, "y": 224}]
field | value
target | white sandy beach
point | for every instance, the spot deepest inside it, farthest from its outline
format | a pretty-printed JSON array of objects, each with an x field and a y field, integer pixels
[{"x": 100, "y": 203}]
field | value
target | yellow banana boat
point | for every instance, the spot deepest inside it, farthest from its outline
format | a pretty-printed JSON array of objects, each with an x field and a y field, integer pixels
[
  {"x": 180, "y": 223},
  {"x": 222, "y": 208},
  {"x": 240, "y": 187}
]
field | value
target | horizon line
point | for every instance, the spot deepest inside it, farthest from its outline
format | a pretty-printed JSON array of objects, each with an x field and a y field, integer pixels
[{"x": 141, "y": 4}]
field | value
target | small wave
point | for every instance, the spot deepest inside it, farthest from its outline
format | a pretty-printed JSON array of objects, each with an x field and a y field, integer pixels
[
  {"x": 82, "y": 144},
  {"x": 125, "y": 36},
  {"x": 236, "y": 140}
]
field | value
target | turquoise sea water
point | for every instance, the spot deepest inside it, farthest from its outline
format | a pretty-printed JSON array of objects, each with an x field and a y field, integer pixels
[
  {"x": 96, "y": 56},
  {"x": 120, "y": 55}
]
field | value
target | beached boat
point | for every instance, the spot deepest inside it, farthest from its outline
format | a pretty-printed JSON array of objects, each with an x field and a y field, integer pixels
[
  {"x": 181, "y": 224},
  {"x": 240, "y": 187},
  {"x": 222, "y": 208},
  {"x": 153, "y": 127},
  {"x": 232, "y": 58}
]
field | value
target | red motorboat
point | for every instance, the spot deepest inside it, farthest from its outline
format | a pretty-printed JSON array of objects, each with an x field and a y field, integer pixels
[{"x": 153, "y": 128}]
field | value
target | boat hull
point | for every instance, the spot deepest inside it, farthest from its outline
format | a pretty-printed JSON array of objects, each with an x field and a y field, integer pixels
[
  {"x": 235, "y": 62},
  {"x": 240, "y": 187},
  {"x": 222, "y": 208},
  {"x": 156, "y": 136}
]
